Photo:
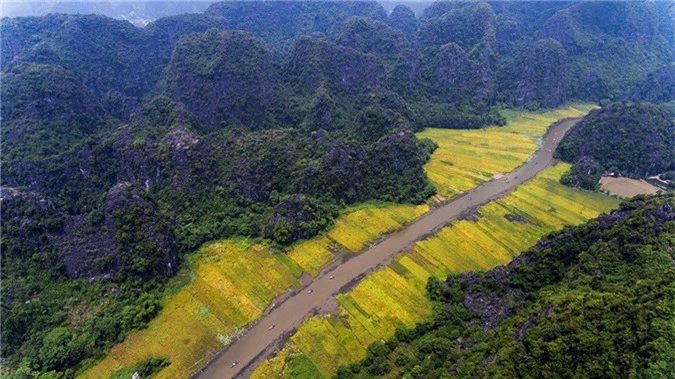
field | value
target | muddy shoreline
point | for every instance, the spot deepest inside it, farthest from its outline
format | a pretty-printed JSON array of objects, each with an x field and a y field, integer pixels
[{"x": 259, "y": 342}]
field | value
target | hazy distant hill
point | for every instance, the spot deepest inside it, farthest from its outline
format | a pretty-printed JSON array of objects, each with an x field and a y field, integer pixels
[{"x": 139, "y": 13}]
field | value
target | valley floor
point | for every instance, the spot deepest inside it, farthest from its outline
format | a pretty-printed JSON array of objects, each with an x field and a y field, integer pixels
[
  {"x": 231, "y": 284},
  {"x": 394, "y": 295}
]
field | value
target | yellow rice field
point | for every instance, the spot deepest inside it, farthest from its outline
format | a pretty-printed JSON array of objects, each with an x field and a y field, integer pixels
[
  {"x": 312, "y": 255},
  {"x": 394, "y": 296},
  {"x": 364, "y": 224},
  {"x": 353, "y": 230},
  {"x": 373, "y": 309},
  {"x": 466, "y": 158}
]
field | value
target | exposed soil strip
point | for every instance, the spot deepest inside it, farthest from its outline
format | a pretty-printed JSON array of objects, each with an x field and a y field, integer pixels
[{"x": 626, "y": 187}]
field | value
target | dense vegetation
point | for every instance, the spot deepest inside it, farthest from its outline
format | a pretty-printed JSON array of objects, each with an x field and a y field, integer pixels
[
  {"x": 45, "y": 111},
  {"x": 124, "y": 148},
  {"x": 590, "y": 301},
  {"x": 630, "y": 139}
]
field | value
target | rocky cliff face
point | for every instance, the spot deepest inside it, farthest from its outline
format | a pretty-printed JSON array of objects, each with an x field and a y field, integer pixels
[
  {"x": 317, "y": 62},
  {"x": 124, "y": 237},
  {"x": 563, "y": 28},
  {"x": 472, "y": 27},
  {"x": 146, "y": 243},
  {"x": 545, "y": 75},
  {"x": 467, "y": 24},
  {"x": 27, "y": 218},
  {"x": 224, "y": 78},
  {"x": 450, "y": 74},
  {"x": 370, "y": 36}
]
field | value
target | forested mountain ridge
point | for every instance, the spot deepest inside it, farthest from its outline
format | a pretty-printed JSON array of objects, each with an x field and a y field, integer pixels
[
  {"x": 590, "y": 301},
  {"x": 261, "y": 119},
  {"x": 637, "y": 36},
  {"x": 224, "y": 78}
]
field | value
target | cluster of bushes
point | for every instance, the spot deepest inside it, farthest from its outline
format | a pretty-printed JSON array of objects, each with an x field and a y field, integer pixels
[{"x": 585, "y": 173}]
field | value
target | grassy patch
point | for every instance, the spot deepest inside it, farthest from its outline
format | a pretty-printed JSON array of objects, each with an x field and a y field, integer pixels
[{"x": 301, "y": 367}]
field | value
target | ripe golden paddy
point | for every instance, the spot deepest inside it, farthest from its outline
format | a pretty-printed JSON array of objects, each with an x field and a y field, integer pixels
[
  {"x": 364, "y": 224},
  {"x": 231, "y": 284}
]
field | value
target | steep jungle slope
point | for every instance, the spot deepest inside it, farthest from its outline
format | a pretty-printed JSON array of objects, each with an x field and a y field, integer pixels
[
  {"x": 596, "y": 36},
  {"x": 91, "y": 235},
  {"x": 226, "y": 79},
  {"x": 590, "y": 301},
  {"x": 280, "y": 23},
  {"x": 659, "y": 87},
  {"x": 46, "y": 110}
]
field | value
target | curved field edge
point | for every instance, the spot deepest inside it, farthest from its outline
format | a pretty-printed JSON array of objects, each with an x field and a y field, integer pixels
[
  {"x": 394, "y": 296},
  {"x": 228, "y": 284}
]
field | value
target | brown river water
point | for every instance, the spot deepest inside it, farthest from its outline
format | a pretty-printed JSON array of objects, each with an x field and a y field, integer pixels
[{"x": 259, "y": 341}]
